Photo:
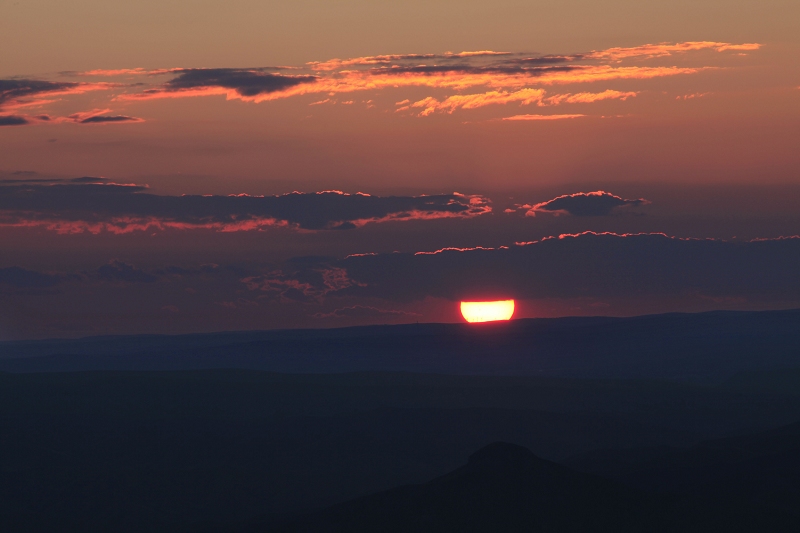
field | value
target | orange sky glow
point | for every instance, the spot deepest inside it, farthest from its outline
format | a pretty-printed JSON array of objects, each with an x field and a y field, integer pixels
[{"x": 180, "y": 166}]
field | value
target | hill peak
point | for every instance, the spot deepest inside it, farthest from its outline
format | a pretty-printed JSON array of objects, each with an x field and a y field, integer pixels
[{"x": 503, "y": 456}]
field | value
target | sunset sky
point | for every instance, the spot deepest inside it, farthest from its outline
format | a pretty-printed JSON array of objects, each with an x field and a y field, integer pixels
[{"x": 187, "y": 166}]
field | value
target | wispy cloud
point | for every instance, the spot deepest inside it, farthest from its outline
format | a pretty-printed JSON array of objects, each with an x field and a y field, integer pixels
[
  {"x": 471, "y": 101},
  {"x": 101, "y": 116},
  {"x": 668, "y": 49},
  {"x": 431, "y": 105},
  {"x": 583, "y": 98},
  {"x": 499, "y": 77},
  {"x": 541, "y": 117}
]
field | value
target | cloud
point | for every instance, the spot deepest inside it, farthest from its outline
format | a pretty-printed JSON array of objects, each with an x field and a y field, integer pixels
[
  {"x": 477, "y": 53},
  {"x": 503, "y": 72},
  {"x": 98, "y": 117},
  {"x": 472, "y": 101},
  {"x": 364, "y": 312},
  {"x": 542, "y": 117},
  {"x": 431, "y": 105},
  {"x": 96, "y": 204},
  {"x": 501, "y": 76},
  {"x": 21, "y": 278},
  {"x": 16, "y": 93},
  {"x": 90, "y": 179},
  {"x": 667, "y": 49},
  {"x": 305, "y": 280},
  {"x": 597, "y": 203},
  {"x": 110, "y": 72},
  {"x": 388, "y": 59},
  {"x": 336, "y": 64},
  {"x": 586, "y": 265},
  {"x": 13, "y": 120},
  {"x": 119, "y": 271},
  {"x": 245, "y": 84},
  {"x": 583, "y": 98}
]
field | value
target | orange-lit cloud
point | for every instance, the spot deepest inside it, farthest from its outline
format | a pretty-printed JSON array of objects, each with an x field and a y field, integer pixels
[
  {"x": 541, "y": 117},
  {"x": 582, "y": 98},
  {"x": 471, "y": 101},
  {"x": 431, "y": 105},
  {"x": 336, "y": 64},
  {"x": 457, "y": 72},
  {"x": 504, "y": 77},
  {"x": 692, "y": 96},
  {"x": 477, "y": 53},
  {"x": 386, "y": 59},
  {"x": 16, "y": 93},
  {"x": 667, "y": 49},
  {"x": 453, "y": 249}
]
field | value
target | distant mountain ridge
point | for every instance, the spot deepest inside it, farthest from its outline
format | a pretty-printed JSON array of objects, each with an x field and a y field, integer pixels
[
  {"x": 703, "y": 347},
  {"x": 505, "y": 487},
  {"x": 180, "y": 451}
]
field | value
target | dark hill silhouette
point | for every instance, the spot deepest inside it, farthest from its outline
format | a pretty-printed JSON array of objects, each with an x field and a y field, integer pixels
[
  {"x": 160, "y": 451},
  {"x": 505, "y": 487},
  {"x": 761, "y": 468},
  {"x": 704, "y": 347}
]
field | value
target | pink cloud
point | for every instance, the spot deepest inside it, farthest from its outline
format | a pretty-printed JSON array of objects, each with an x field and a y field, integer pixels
[
  {"x": 542, "y": 117},
  {"x": 503, "y": 77},
  {"x": 667, "y": 49},
  {"x": 472, "y": 101},
  {"x": 580, "y": 98}
]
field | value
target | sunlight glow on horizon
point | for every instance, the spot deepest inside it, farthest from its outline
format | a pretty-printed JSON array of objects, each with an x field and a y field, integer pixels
[{"x": 487, "y": 311}]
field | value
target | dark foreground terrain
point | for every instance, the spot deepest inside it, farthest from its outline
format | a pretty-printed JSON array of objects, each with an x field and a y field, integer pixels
[
  {"x": 504, "y": 487},
  {"x": 240, "y": 450}
]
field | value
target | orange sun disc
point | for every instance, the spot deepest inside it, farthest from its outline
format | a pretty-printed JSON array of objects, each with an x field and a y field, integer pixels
[{"x": 487, "y": 311}]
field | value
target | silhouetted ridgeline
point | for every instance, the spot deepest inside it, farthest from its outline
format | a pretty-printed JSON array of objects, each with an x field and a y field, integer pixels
[
  {"x": 190, "y": 450},
  {"x": 505, "y": 487},
  {"x": 705, "y": 347}
]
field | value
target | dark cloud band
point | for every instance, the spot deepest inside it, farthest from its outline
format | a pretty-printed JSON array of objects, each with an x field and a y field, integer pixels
[
  {"x": 13, "y": 120},
  {"x": 92, "y": 205},
  {"x": 20, "y": 278},
  {"x": 596, "y": 203},
  {"x": 108, "y": 119},
  {"x": 11, "y": 90},
  {"x": 586, "y": 265},
  {"x": 246, "y": 82}
]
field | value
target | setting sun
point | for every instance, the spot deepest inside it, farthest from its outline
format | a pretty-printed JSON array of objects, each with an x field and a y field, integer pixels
[{"x": 487, "y": 311}]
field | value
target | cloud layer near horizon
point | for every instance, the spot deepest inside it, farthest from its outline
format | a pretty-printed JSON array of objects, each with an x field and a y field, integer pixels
[
  {"x": 589, "y": 266},
  {"x": 586, "y": 265},
  {"x": 95, "y": 205}
]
